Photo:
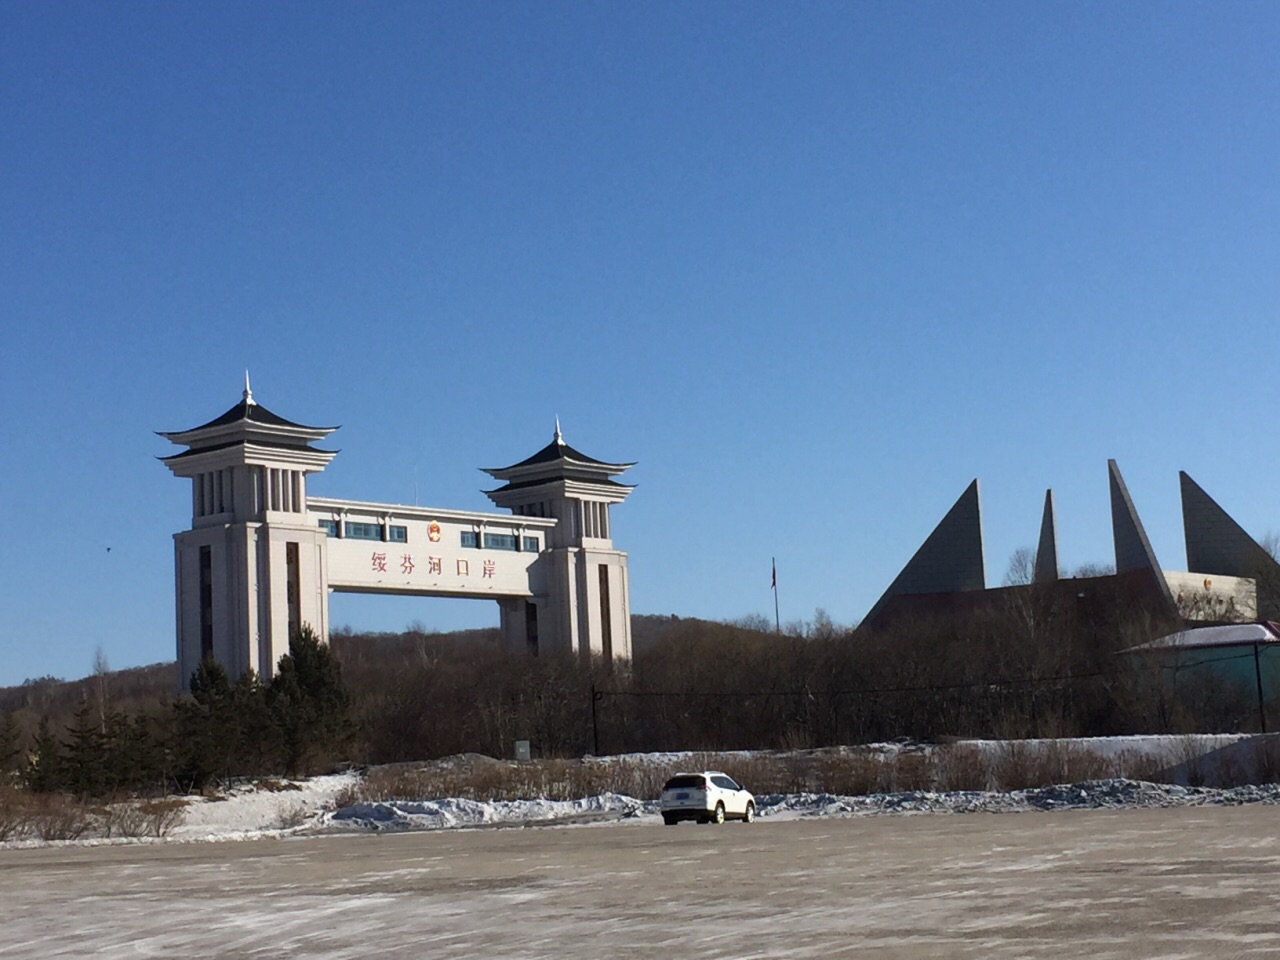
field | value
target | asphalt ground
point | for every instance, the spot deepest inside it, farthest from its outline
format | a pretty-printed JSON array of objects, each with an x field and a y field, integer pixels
[{"x": 1173, "y": 883}]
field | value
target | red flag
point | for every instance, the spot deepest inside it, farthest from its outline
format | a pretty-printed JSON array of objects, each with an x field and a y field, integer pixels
[{"x": 773, "y": 581}]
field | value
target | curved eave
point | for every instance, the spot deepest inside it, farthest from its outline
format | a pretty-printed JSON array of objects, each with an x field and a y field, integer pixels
[
  {"x": 571, "y": 485},
  {"x": 247, "y": 431},
  {"x": 235, "y": 454},
  {"x": 246, "y": 418},
  {"x": 553, "y": 468},
  {"x": 254, "y": 413},
  {"x": 556, "y": 452}
]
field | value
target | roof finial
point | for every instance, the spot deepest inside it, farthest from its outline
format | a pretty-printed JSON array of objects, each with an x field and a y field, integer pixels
[
  {"x": 558, "y": 438},
  {"x": 248, "y": 392}
]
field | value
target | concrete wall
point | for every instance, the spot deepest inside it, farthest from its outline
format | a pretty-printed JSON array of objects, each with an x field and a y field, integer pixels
[{"x": 1203, "y": 598}]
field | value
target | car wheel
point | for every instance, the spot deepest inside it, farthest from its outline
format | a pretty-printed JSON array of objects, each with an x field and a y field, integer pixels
[
  {"x": 669, "y": 820},
  {"x": 718, "y": 816},
  {"x": 750, "y": 815}
]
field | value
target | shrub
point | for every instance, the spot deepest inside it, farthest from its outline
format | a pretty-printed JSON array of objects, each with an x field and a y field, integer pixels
[
  {"x": 1190, "y": 756},
  {"x": 1023, "y": 764},
  {"x": 848, "y": 774},
  {"x": 124, "y": 819},
  {"x": 347, "y": 796},
  {"x": 56, "y": 817},
  {"x": 911, "y": 771},
  {"x": 15, "y": 812},
  {"x": 1136, "y": 765},
  {"x": 1266, "y": 758},
  {"x": 291, "y": 815},
  {"x": 961, "y": 766},
  {"x": 163, "y": 815}
]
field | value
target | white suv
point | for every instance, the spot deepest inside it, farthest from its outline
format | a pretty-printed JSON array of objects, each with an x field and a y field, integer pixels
[{"x": 707, "y": 797}]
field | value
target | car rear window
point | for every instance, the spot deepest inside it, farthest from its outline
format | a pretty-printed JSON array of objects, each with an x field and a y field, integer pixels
[{"x": 685, "y": 783}]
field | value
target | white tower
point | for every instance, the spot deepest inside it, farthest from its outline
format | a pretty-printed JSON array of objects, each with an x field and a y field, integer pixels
[
  {"x": 251, "y": 570},
  {"x": 581, "y": 600}
]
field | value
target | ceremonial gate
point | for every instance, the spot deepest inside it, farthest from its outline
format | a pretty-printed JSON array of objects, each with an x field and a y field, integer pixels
[{"x": 262, "y": 556}]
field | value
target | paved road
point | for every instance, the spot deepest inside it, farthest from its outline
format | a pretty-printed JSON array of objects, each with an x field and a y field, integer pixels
[{"x": 1101, "y": 884}]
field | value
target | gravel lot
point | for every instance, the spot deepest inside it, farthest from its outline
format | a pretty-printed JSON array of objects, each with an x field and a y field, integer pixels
[{"x": 1200, "y": 882}]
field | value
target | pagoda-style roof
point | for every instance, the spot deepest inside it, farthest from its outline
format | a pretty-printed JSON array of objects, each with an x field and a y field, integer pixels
[
  {"x": 558, "y": 461},
  {"x": 557, "y": 454},
  {"x": 252, "y": 426},
  {"x": 255, "y": 412}
]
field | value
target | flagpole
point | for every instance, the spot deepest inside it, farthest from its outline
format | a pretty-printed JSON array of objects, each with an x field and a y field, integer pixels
[{"x": 777, "y": 623}]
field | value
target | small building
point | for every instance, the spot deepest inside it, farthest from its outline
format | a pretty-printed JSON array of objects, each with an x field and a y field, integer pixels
[{"x": 1243, "y": 655}]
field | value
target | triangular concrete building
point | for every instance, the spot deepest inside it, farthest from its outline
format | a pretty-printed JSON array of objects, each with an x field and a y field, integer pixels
[
  {"x": 1046, "y": 566},
  {"x": 949, "y": 560},
  {"x": 1217, "y": 545},
  {"x": 1133, "y": 549}
]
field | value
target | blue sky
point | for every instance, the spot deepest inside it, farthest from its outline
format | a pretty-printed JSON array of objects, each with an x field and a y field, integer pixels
[{"x": 814, "y": 266}]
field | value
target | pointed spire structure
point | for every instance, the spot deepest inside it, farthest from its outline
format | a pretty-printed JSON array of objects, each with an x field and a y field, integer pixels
[
  {"x": 1046, "y": 566},
  {"x": 949, "y": 560},
  {"x": 248, "y": 391},
  {"x": 559, "y": 437},
  {"x": 1133, "y": 549},
  {"x": 1216, "y": 544}
]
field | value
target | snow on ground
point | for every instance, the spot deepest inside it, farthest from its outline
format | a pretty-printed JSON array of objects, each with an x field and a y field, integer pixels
[
  {"x": 249, "y": 811},
  {"x": 319, "y": 805}
]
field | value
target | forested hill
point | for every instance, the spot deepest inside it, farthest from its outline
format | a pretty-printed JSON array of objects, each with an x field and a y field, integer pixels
[{"x": 139, "y": 688}]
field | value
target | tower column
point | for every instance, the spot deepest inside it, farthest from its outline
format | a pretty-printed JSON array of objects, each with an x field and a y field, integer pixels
[
  {"x": 251, "y": 570},
  {"x": 581, "y": 586}
]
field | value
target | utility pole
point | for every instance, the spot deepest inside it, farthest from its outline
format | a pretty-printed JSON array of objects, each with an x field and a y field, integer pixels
[{"x": 1262, "y": 706}]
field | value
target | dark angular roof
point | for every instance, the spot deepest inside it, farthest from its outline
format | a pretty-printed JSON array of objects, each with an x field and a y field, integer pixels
[
  {"x": 254, "y": 413},
  {"x": 557, "y": 450}
]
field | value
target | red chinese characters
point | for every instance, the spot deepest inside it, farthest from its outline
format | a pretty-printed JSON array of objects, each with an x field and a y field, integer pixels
[{"x": 379, "y": 563}]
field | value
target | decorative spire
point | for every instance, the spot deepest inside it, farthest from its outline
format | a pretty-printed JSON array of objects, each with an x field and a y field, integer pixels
[
  {"x": 248, "y": 392},
  {"x": 558, "y": 437}
]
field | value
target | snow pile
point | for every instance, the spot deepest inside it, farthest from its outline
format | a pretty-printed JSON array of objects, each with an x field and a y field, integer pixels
[
  {"x": 249, "y": 810},
  {"x": 458, "y": 812},
  {"x": 1090, "y": 795}
]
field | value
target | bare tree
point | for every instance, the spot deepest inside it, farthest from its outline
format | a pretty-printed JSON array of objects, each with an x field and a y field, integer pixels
[
  {"x": 1095, "y": 570},
  {"x": 101, "y": 672},
  {"x": 1022, "y": 567}
]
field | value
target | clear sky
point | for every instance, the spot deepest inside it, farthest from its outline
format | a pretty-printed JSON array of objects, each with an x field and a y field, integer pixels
[{"x": 815, "y": 266}]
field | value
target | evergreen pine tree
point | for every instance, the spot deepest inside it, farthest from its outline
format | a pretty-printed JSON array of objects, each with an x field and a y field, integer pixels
[
  {"x": 209, "y": 683},
  {"x": 9, "y": 745},
  {"x": 120, "y": 768},
  {"x": 83, "y": 759},
  {"x": 260, "y": 743},
  {"x": 44, "y": 772},
  {"x": 205, "y": 728},
  {"x": 150, "y": 748},
  {"x": 310, "y": 703}
]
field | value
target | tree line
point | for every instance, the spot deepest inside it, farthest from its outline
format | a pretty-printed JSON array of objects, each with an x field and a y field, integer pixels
[
  {"x": 298, "y": 723},
  {"x": 1020, "y": 662}
]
